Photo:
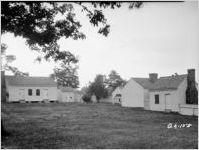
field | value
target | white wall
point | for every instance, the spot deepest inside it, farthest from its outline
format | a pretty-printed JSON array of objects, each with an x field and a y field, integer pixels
[
  {"x": 78, "y": 97},
  {"x": 189, "y": 109},
  {"x": 132, "y": 94},
  {"x": 146, "y": 99},
  {"x": 59, "y": 95},
  {"x": 65, "y": 96},
  {"x": 14, "y": 93},
  {"x": 116, "y": 91},
  {"x": 68, "y": 97},
  {"x": 162, "y": 105},
  {"x": 115, "y": 99}
]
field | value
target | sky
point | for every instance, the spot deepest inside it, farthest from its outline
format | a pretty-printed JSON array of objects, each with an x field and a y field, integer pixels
[{"x": 159, "y": 37}]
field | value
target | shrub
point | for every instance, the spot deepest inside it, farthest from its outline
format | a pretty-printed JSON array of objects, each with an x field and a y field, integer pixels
[{"x": 87, "y": 98}]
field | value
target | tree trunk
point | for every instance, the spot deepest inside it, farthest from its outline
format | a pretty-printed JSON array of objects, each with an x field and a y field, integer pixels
[{"x": 3, "y": 131}]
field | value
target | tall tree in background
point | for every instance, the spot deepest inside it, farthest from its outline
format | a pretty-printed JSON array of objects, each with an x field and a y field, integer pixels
[
  {"x": 66, "y": 76},
  {"x": 113, "y": 81},
  {"x": 98, "y": 87}
]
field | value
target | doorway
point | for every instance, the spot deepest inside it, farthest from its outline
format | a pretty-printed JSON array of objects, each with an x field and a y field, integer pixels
[
  {"x": 21, "y": 94},
  {"x": 168, "y": 102},
  {"x": 45, "y": 93}
]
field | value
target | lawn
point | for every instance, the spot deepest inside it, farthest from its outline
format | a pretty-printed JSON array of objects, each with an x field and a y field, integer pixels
[{"x": 73, "y": 125}]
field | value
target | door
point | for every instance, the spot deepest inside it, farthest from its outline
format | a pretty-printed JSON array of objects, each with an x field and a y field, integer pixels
[
  {"x": 66, "y": 98},
  {"x": 168, "y": 102},
  {"x": 21, "y": 94},
  {"x": 147, "y": 104},
  {"x": 45, "y": 93}
]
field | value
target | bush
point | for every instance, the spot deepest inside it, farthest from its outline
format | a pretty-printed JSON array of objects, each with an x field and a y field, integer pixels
[{"x": 87, "y": 98}]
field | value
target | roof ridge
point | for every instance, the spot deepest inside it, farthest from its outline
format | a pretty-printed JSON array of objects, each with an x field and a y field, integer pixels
[
  {"x": 27, "y": 76},
  {"x": 168, "y": 82},
  {"x": 173, "y": 76},
  {"x": 139, "y": 78},
  {"x": 30, "y": 80}
]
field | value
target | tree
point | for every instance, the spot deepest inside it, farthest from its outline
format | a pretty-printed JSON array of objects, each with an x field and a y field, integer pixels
[
  {"x": 6, "y": 61},
  {"x": 98, "y": 87},
  {"x": 66, "y": 76},
  {"x": 37, "y": 23},
  {"x": 114, "y": 80}
]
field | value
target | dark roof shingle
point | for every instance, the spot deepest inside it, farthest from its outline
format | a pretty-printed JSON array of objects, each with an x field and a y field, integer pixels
[
  {"x": 30, "y": 81},
  {"x": 163, "y": 83}
]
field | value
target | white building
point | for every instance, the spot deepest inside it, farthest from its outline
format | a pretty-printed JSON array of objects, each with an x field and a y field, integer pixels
[
  {"x": 160, "y": 94},
  {"x": 68, "y": 94},
  {"x": 168, "y": 93},
  {"x": 94, "y": 98},
  {"x": 117, "y": 95},
  {"x": 20, "y": 88}
]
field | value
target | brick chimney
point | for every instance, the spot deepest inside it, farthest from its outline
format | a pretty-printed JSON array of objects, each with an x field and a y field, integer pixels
[
  {"x": 191, "y": 92},
  {"x": 153, "y": 77}
]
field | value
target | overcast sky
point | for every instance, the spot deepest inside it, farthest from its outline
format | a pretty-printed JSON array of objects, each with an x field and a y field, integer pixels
[{"x": 158, "y": 38}]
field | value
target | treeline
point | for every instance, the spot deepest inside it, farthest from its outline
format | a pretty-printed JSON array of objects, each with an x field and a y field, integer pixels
[{"x": 103, "y": 86}]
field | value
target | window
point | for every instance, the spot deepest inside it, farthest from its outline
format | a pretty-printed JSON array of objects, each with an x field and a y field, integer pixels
[
  {"x": 118, "y": 95},
  {"x": 30, "y": 92},
  {"x": 37, "y": 92},
  {"x": 156, "y": 99}
]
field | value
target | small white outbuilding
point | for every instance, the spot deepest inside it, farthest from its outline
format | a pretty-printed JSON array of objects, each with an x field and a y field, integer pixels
[
  {"x": 117, "y": 95},
  {"x": 68, "y": 94}
]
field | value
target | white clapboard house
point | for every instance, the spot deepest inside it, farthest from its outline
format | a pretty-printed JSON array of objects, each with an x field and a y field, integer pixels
[
  {"x": 160, "y": 94},
  {"x": 29, "y": 89}
]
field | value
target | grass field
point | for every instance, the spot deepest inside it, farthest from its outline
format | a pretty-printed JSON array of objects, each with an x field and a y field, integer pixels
[{"x": 73, "y": 125}]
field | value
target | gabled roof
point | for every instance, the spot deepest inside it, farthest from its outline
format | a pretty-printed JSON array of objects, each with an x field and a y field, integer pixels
[
  {"x": 79, "y": 92},
  {"x": 67, "y": 89},
  {"x": 70, "y": 89},
  {"x": 30, "y": 81},
  {"x": 163, "y": 83},
  {"x": 119, "y": 88}
]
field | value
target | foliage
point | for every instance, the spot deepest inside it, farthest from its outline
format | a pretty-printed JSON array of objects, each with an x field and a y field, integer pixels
[
  {"x": 86, "y": 94},
  {"x": 6, "y": 61},
  {"x": 98, "y": 88},
  {"x": 37, "y": 23},
  {"x": 66, "y": 75},
  {"x": 102, "y": 86},
  {"x": 114, "y": 80},
  {"x": 86, "y": 98}
]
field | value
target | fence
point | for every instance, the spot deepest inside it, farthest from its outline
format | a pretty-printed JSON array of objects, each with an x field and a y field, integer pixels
[{"x": 188, "y": 109}]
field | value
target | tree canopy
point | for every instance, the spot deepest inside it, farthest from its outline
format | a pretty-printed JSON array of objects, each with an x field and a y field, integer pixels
[
  {"x": 6, "y": 61},
  {"x": 37, "y": 23},
  {"x": 114, "y": 80},
  {"x": 66, "y": 76},
  {"x": 98, "y": 87}
]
